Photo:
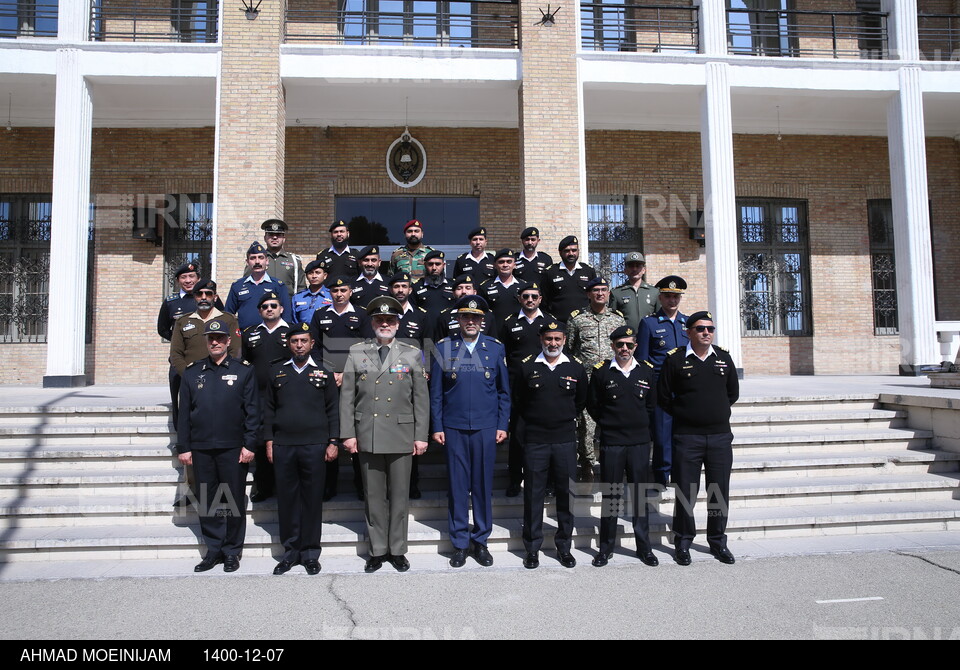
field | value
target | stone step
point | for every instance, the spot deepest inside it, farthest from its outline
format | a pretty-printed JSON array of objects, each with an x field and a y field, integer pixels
[
  {"x": 349, "y": 538},
  {"x": 41, "y": 416},
  {"x": 749, "y": 423},
  {"x": 813, "y": 441},
  {"x": 804, "y": 404},
  {"x": 847, "y": 463}
]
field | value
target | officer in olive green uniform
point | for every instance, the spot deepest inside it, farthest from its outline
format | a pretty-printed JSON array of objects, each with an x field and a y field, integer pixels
[
  {"x": 588, "y": 337},
  {"x": 635, "y": 298},
  {"x": 410, "y": 257},
  {"x": 282, "y": 266}
]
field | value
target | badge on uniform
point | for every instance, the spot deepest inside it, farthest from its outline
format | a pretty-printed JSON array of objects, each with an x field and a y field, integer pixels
[
  {"x": 229, "y": 379},
  {"x": 663, "y": 343},
  {"x": 486, "y": 373}
]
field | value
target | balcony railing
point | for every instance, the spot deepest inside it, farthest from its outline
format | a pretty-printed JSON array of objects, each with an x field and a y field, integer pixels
[
  {"x": 939, "y": 36},
  {"x": 23, "y": 18},
  {"x": 649, "y": 28},
  {"x": 807, "y": 34},
  {"x": 482, "y": 23},
  {"x": 176, "y": 21}
]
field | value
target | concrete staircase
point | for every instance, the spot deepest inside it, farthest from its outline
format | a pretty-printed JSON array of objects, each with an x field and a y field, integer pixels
[{"x": 84, "y": 483}]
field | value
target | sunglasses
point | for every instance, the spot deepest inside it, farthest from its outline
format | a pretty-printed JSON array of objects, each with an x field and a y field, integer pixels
[
  {"x": 709, "y": 329},
  {"x": 629, "y": 345},
  {"x": 270, "y": 305},
  {"x": 530, "y": 296},
  {"x": 205, "y": 293}
]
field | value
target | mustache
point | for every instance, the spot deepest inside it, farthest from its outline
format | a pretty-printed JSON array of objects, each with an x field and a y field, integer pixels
[{"x": 204, "y": 303}]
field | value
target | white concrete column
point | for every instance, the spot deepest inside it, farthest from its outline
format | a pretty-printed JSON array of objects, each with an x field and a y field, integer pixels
[
  {"x": 902, "y": 28},
  {"x": 73, "y": 20},
  {"x": 911, "y": 224},
  {"x": 66, "y": 322},
  {"x": 720, "y": 208},
  {"x": 713, "y": 27}
]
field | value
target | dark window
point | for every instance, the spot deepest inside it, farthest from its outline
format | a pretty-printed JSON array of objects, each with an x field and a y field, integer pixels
[
  {"x": 24, "y": 267},
  {"x": 187, "y": 233},
  {"x": 28, "y": 18},
  {"x": 883, "y": 268},
  {"x": 613, "y": 231},
  {"x": 774, "y": 267}
]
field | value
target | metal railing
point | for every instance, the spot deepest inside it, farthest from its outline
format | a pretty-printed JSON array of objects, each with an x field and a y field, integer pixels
[
  {"x": 19, "y": 18},
  {"x": 184, "y": 21},
  {"x": 477, "y": 24},
  {"x": 939, "y": 36},
  {"x": 646, "y": 28},
  {"x": 807, "y": 34}
]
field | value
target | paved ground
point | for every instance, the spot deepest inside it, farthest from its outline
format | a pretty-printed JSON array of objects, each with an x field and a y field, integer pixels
[{"x": 876, "y": 595}]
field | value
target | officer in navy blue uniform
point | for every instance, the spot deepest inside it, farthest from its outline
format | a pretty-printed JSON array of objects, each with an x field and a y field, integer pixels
[
  {"x": 217, "y": 433},
  {"x": 501, "y": 291},
  {"x": 660, "y": 333},
  {"x": 245, "y": 293},
  {"x": 433, "y": 292},
  {"x": 315, "y": 296},
  {"x": 623, "y": 393},
  {"x": 263, "y": 345},
  {"x": 469, "y": 415},
  {"x": 370, "y": 284},
  {"x": 301, "y": 425},
  {"x": 477, "y": 261},
  {"x": 564, "y": 284},
  {"x": 335, "y": 329},
  {"x": 530, "y": 262},
  {"x": 342, "y": 261}
]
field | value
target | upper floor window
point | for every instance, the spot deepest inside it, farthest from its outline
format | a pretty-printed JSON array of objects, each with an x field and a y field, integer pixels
[
  {"x": 774, "y": 267},
  {"x": 145, "y": 21},
  {"x": 621, "y": 25},
  {"x": 28, "y": 18}
]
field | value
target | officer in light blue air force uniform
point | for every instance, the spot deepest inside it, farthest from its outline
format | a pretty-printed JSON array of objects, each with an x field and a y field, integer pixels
[
  {"x": 659, "y": 334},
  {"x": 469, "y": 415}
]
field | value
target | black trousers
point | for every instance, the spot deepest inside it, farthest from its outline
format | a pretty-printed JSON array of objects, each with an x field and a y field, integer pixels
[
  {"x": 539, "y": 461},
  {"x": 713, "y": 453},
  {"x": 174, "y": 380},
  {"x": 634, "y": 462},
  {"x": 221, "y": 500},
  {"x": 263, "y": 476},
  {"x": 300, "y": 472}
]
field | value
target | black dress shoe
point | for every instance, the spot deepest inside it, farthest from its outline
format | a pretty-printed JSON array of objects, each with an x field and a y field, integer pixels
[
  {"x": 682, "y": 556},
  {"x": 566, "y": 559},
  {"x": 647, "y": 558},
  {"x": 482, "y": 555},
  {"x": 231, "y": 563},
  {"x": 284, "y": 567},
  {"x": 459, "y": 558},
  {"x": 531, "y": 561},
  {"x": 373, "y": 563},
  {"x": 260, "y": 496},
  {"x": 415, "y": 493},
  {"x": 601, "y": 560},
  {"x": 313, "y": 567},
  {"x": 399, "y": 562},
  {"x": 723, "y": 555},
  {"x": 208, "y": 563},
  {"x": 513, "y": 490}
]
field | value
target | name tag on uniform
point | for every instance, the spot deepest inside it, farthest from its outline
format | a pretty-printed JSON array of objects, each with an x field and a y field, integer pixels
[
  {"x": 188, "y": 327},
  {"x": 516, "y": 330}
]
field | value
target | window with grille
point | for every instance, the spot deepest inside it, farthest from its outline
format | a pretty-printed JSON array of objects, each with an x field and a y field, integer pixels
[
  {"x": 187, "y": 234},
  {"x": 613, "y": 231},
  {"x": 24, "y": 267},
  {"x": 774, "y": 267},
  {"x": 883, "y": 268}
]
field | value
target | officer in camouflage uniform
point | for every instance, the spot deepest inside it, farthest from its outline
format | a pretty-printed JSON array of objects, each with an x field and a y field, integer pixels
[
  {"x": 588, "y": 337},
  {"x": 410, "y": 257}
]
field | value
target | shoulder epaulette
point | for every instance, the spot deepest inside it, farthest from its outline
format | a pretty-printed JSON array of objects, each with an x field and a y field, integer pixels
[
  {"x": 648, "y": 363},
  {"x": 173, "y": 296},
  {"x": 599, "y": 365},
  {"x": 283, "y": 359},
  {"x": 726, "y": 351},
  {"x": 491, "y": 337},
  {"x": 190, "y": 365},
  {"x": 250, "y": 328},
  {"x": 527, "y": 358},
  {"x": 247, "y": 363},
  {"x": 422, "y": 310},
  {"x": 618, "y": 312},
  {"x": 574, "y": 313},
  {"x": 672, "y": 351},
  {"x": 576, "y": 360}
]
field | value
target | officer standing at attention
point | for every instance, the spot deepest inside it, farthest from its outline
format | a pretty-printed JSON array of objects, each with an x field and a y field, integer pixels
[
  {"x": 530, "y": 262},
  {"x": 697, "y": 387},
  {"x": 315, "y": 296},
  {"x": 245, "y": 293},
  {"x": 216, "y": 434},
  {"x": 470, "y": 415},
  {"x": 588, "y": 335},
  {"x": 551, "y": 390},
  {"x": 173, "y": 307},
  {"x": 659, "y": 334},
  {"x": 263, "y": 345},
  {"x": 446, "y": 323},
  {"x": 410, "y": 257},
  {"x": 385, "y": 416},
  {"x": 434, "y": 293},
  {"x": 370, "y": 283},
  {"x": 281, "y": 265},
  {"x": 501, "y": 291},
  {"x": 635, "y": 298},
  {"x": 623, "y": 393},
  {"x": 563, "y": 283},
  {"x": 477, "y": 261},
  {"x": 342, "y": 262},
  {"x": 301, "y": 426}
]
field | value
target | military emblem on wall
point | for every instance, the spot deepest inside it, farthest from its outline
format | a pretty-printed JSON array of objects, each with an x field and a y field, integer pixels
[{"x": 406, "y": 160}]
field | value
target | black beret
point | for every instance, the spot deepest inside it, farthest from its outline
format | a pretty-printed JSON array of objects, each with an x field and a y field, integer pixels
[
  {"x": 527, "y": 232},
  {"x": 436, "y": 253},
  {"x": 567, "y": 241},
  {"x": 699, "y": 316},
  {"x": 187, "y": 267},
  {"x": 622, "y": 332}
]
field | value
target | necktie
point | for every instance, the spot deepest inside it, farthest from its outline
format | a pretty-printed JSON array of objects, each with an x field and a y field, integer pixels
[{"x": 383, "y": 353}]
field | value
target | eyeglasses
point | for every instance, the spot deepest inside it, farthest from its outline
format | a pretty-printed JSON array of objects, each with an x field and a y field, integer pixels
[
  {"x": 205, "y": 292},
  {"x": 530, "y": 296},
  {"x": 709, "y": 329},
  {"x": 629, "y": 345},
  {"x": 270, "y": 305}
]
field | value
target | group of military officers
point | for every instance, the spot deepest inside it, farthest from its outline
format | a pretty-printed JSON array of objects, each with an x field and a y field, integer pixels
[{"x": 592, "y": 377}]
